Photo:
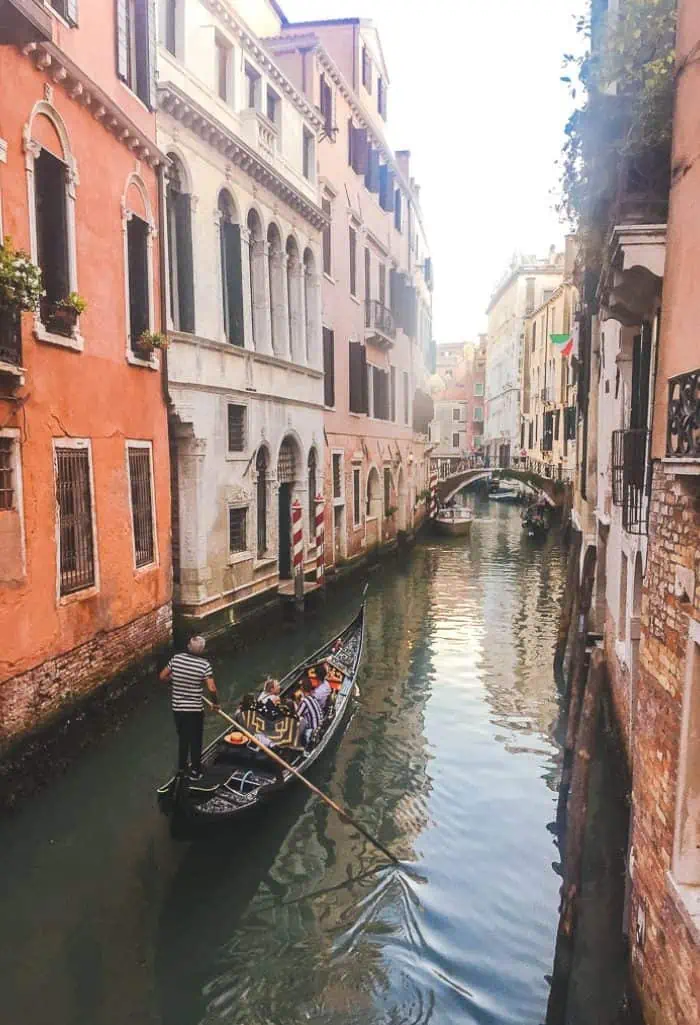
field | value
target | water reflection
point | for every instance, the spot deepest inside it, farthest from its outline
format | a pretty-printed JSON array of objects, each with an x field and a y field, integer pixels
[{"x": 448, "y": 757}]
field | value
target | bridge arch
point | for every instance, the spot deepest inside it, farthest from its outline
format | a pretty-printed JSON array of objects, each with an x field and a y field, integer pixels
[{"x": 553, "y": 490}]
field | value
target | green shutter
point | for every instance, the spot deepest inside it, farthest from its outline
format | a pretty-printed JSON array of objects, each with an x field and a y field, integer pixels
[{"x": 185, "y": 275}]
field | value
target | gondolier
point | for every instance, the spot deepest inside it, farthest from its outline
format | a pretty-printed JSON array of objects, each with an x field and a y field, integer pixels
[{"x": 187, "y": 673}]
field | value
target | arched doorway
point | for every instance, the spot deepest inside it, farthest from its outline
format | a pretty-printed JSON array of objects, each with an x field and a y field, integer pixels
[{"x": 286, "y": 476}]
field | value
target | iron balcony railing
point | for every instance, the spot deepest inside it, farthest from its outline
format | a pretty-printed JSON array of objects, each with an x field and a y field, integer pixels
[
  {"x": 10, "y": 338},
  {"x": 683, "y": 422},
  {"x": 379, "y": 318},
  {"x": 631, "y": 478}
]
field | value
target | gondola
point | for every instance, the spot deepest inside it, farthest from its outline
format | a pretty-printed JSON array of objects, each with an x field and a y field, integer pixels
[
  {"x": 237, "y": 777},
  {"x": 536, "y": 522}
]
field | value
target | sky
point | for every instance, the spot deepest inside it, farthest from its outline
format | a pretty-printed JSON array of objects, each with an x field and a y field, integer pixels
[{"x": 475, "y": 94}]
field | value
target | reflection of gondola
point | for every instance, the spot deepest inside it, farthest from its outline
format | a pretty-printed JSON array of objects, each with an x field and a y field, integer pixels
[
  {"x": 536, "y": 521},
  {"x": 236, "y": 778}
]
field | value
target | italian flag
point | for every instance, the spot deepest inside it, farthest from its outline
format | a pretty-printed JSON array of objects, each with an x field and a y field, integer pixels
[{"x": 565, "y": 343}]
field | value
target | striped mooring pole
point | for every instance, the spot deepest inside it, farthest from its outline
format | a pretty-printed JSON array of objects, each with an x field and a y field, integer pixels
[
  {"x": 432, "y": 507},
  {"x": 320, "y": 538},
  {"x": 298, "y": 553}
]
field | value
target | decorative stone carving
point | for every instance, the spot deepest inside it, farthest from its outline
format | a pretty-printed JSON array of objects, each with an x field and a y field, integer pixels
[{"x": 235, "y": 494}]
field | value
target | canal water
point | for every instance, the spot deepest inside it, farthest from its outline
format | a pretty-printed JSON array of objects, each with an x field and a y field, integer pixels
[{"x": 451, "y": 757}]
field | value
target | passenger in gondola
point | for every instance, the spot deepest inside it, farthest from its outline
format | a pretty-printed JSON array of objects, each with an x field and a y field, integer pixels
[
  {"x": 269, "y": 696},
  {"x": 310, "y": 712},
  {"x": 322, "y": 690}
]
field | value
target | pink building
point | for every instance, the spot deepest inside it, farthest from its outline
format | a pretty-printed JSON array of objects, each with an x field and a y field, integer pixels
[
  {"x": 457, "y": 428},
  {"x": 377, "y": 283}
]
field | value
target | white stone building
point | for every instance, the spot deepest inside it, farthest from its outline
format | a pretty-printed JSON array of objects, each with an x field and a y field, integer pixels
[
  {"x": 526, "y": 285},
  {"x": 245, "y": 362}
]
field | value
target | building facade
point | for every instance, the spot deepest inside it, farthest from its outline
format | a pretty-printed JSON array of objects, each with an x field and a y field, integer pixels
[
  {"x": 527, "y": 284},
  {"x": 245, "y": 360},
  {"x": 376, "y": 289},
  {"x": 85, "y": 570},
  {"x": 457, "y": 388},
  {"x": 548, "y": 392}
]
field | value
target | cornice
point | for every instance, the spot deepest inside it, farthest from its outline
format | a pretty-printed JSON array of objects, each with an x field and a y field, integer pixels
[
  {"x": 313, "y": 43},
  {"x": 257, "y": 50},
  {"x": 172, "y": 101},
  {"x": 80, "y": 87}
]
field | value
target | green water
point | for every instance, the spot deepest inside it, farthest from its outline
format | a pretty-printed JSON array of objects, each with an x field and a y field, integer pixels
[{"x": 450, "y": 757}]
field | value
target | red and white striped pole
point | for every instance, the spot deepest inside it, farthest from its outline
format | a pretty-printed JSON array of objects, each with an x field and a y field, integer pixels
[
  {"x": 298, "y": 554},
  {"x": 320, "y": 538},
  {"x": 432, "y": 507}
]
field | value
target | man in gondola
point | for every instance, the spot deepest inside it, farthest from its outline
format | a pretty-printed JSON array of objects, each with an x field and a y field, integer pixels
[{"x": 187, "y": 673}]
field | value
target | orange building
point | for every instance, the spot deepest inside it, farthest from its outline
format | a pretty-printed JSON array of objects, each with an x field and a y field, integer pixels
[{"x": 85, "y": 575}]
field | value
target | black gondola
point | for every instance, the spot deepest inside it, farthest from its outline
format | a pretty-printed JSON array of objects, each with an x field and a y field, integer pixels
[
  {"x": 239, "y": 778},
  {"x": 536, "y": 521}
]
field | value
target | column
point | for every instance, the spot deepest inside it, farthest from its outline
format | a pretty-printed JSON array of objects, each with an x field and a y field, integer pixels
[
  {"x": 195, "y": 573},
  {"x": 247, "y": 297},
  {"x": 295, "y": 282},
  {"x": 261, "y": 297},
  {"x": 278, "y": 300},
  {"x": 313, "y": 320}
]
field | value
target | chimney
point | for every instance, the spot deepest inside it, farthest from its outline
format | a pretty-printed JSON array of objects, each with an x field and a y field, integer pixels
[{"x": 403, "y": 159}]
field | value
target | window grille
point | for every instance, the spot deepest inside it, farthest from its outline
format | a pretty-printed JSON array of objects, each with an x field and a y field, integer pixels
[
  {"x": 7, "y": 490},
  {"x": 286, "y": 464},
  {"x": 356, "y": 496},
  {"x": 387, "y": 490},
  {"x": 236, "y": 428},
  {"x": 261, "y": 467},
  {"x": 142, "y": 505},
  {"x": 237, "y": 522},
  {"x": 337, "y": 477},
  {"x": 76, "y": 547}
]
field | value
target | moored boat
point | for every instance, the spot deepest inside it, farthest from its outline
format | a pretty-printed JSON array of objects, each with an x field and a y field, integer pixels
[
  {"x": 236, "y": 775},
  {"x": 454, "y": 522}
]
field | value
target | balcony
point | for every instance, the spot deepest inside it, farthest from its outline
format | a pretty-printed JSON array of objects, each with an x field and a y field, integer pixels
[
  {"x": 23, "y": 21},
  {"x": 261, "y": 133},
  {"x": 631, "y": 478},
  {"x": 379, "y": 324},
  {"x": 683, "y": 421}
]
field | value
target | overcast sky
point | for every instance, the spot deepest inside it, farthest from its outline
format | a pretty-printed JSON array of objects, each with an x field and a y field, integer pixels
[{"x": 475, "y": 95}]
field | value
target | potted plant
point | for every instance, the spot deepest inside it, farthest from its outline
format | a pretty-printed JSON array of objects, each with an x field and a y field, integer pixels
[
  {"x": 21, "y": 290},
  {"x": 148, "y": 341},
  {"x": 64, "y": 314}
]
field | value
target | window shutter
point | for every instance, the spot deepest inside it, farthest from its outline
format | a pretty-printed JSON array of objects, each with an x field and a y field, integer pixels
[
  {"x": 363, "y": 379},
  {"x": 354, "y": 378},
  {"x": 359, "y": 150},
  {"x": 185, "y": 274},
  {"x": 372, "y": 175},
  {"x": 328, "y": 367},
  {"x": 152, "y": 52},
  {"x": 386, "y": 188},
  {"x": 234, "y": 281},
  {"x": 122, "y": 39},
  {"x": 393, "y": 291},
  {"x": 72, "y": 12},
  {"x": 351, "y": 141}
]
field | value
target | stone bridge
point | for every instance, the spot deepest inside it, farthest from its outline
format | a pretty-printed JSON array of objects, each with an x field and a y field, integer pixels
[{"x": 449, "y": 484}]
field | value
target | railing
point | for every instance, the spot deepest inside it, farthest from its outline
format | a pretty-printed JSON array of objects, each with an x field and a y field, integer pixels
[
  {"x": 683, "y": 421},
  {"x": 631, "y": 478},
  {"x": 10, "y": 338},
  {"x": 379, "y": 318}
]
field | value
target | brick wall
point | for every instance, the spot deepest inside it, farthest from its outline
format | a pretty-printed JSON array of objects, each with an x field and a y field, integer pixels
[
  {"x": 33, "y": 699},
  {"x": 666, "y": 958}
]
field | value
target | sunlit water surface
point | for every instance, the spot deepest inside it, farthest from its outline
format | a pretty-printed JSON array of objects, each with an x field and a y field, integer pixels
[{"x": 450, "y": 757}]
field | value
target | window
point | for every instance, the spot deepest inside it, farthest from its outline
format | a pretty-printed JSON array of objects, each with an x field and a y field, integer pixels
[
  {"x": 141, "y": 504},
  {"x": 68, "y": 9},
  {"x": 308, "y": 155},
  {"x": 134, "y": 57},
  {"x": 137, "y": 248},
  {"x": 236, "y": 428},
  {"x": 547, "y": 294},
  {"x": 455, "y": 441},
  {"x": 478, "y": 388},
  {"x": 534, "y": 334},
  {"x": 387, "y": 490},
  {"x": 327, "y": 238},
  {"x": 386, "y": 189},
  {"x": 358, "y": 378},
  {"x": 252, "y": 79},
  {"x": 398, "y": 217},
  {"x": 74, "y": 501},
  {"x": 356, "y": 497},
  {"x": 353, "y": 261},
  {"x": 7, "y": 488},
  {"x": 328, "y": 367},
  {"x": 529, "y": 295},
  {"x": 367, "y": 69},
  {"x": 223, "y": 68},
  {"x": 171, "y": 25},
  {"x": 368, "y": 274},
  {"x": 381, "y": 404},
  {"x": 381, "y": 97},
  {"x": 456, "y": 413},
  {"x": 326, "y": 105},
  {"x": 478, "y": 413},
  {"x": 530, "y": 432},
  {"x": 51, "y": 235},
  {"x": 337, "y": 475},
  {"x": 261, "y": 495},
  {"x": 382, "y": 284},
  {"x": 392, "y": 392},
  {"x": 231, "y": 272},
  {"x": 405, "y": 398},
  {"x": 272, "y": 106},
  {"x": 313, "y": 491},
  {"x": 180, "y": 271},
  {"x": 237, "y": 530}
]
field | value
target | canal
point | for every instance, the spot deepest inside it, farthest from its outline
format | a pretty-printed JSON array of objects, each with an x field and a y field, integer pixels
[{"x": 451, "y": 757}]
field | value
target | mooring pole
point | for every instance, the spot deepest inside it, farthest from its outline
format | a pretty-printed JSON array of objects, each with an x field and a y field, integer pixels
[{"x": 298, "y": 550}]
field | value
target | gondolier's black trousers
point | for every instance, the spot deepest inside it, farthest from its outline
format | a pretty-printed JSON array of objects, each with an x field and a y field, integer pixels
[{"x": 189, "y": 726}]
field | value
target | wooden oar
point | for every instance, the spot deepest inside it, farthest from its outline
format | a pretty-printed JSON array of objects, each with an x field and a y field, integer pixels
[{"x": 345, "y": 816}]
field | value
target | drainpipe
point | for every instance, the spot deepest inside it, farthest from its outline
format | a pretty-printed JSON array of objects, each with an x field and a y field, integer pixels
[{"x": 162, "y": 275}]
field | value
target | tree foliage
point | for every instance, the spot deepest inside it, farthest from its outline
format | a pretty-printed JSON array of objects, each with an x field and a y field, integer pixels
[{"x": 624, "y": 124}]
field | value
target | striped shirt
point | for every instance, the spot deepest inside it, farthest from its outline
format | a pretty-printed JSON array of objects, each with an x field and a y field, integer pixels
[
  {"x": 188, "y": 675},
  {"x": 310, "y": 711}
]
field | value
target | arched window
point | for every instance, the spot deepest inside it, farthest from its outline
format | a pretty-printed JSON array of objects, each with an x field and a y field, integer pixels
[
  {"x": 313, "y": 486},
  {"x": 261, "y": 468},
  {"x": 139, "y": 229},
  {"x": 293, "y": 298},
  {"x": 257, "y": 284},
  {"x": 231, "y": 277},
  {"x": 180, "y": 272}
]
